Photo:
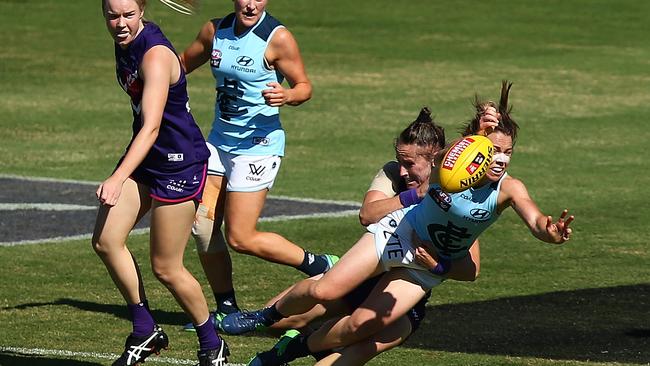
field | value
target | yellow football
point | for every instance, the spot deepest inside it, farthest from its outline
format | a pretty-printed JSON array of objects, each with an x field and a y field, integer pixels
[{"x": 465, "y": 163}]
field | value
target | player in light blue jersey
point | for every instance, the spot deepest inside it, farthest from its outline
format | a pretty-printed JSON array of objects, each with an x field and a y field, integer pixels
[
  {"x": 399, "y": 183},
  {"x": 250, "y": 53},
  {"x": 443, "y": 224}
]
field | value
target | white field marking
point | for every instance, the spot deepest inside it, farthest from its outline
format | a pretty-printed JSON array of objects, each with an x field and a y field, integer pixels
[
  {"x": 60, "y": 239},
  {"x": 44, "y": 207},
  {"x": 44, "y": 179},
  {"x": 314, "y": 200},
  {"x": 86, "y": 182},
  {"x": 142, "y": 231},
  {"x": 309, "y": 216},
  {"x": 88, "y": 355},
  {"x": 5, "y": 206}
]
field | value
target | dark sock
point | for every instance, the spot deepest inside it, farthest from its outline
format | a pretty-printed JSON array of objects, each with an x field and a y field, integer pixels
[
  {"x": 321, "y": 354},
  {"x": 207, "y": 335},
  {"x": 271, "y": 315},
  {"x": 226, "y": 302},
  {"x": 141, "y": 318},
  {"x": 297, "y": 348},
  {"x": 313, "y": 264}
]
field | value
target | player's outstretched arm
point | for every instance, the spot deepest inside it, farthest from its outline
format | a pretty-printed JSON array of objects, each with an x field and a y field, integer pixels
[{"x": 541, "y": 226}]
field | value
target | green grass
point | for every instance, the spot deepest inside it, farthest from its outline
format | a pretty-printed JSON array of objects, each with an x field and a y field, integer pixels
[{"x": 581, "y": 78}]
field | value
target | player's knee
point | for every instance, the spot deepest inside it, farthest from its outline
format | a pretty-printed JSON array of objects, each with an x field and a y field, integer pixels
[
  {"x": 324, "y": 292},
  {"x": 241, "y": 242},
  {"x": 98, "y": 247},
  {"x": 101, "y": 247},
  {"x": 363, "y": 324},
  {"x": 164, "y": 274}
]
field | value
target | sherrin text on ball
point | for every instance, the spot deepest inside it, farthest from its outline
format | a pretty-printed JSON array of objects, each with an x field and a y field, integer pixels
[{"x": 465, "y": 163}]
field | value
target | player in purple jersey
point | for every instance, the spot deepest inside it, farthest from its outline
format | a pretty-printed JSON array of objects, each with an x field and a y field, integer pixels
[
  {"x": 163, "y": 171},
  {"x": 240, "y": 179}
]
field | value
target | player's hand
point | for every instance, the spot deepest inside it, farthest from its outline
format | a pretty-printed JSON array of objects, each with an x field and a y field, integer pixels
[
  {"x": 109, "y": 191},
  {"x": 276, "y": 96},
  {"x": 559, "y": 231},
  {"x": 488, "y": 121},
  {"x": 422, "y": 256}
]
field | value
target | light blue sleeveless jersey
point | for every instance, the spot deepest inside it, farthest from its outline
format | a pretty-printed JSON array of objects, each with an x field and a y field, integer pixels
[
  {"x": 243, "y": 123},
  {"x": 452, "y": 221}
]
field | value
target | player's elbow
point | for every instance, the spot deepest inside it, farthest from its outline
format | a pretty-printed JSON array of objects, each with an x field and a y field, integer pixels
[
  {"x": 364, "y": 218},
  {"x": 301, "y": 92}
]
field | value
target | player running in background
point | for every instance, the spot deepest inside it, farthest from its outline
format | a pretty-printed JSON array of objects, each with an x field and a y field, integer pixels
[
  {"x": 163, "y": 171},
  {"x": 250, "y": 53}
]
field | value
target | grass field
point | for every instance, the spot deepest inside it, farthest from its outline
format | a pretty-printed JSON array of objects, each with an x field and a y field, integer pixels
[{"x": 581, "y": 73}]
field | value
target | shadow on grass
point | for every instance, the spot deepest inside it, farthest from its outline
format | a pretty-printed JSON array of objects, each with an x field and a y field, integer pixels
[
  {"x": 609, "y": 324},
  {"x": 604, "y": 324},
  {"x": 18, "y": 359},
  {"x": 161, "y": 316}
]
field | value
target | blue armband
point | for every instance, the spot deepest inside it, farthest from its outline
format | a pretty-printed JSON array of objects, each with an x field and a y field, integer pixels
[
  {"x": 442, "y": 268},
  {"x": 409, "y": 197}
]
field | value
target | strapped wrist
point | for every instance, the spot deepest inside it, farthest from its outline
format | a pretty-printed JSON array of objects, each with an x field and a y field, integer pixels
[
  {"x": 442, "y": 268},
  {"x": 409, "y": 197}
]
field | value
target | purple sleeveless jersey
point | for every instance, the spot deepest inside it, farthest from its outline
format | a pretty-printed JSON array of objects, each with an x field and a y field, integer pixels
[{"x": 180, "y": 142}]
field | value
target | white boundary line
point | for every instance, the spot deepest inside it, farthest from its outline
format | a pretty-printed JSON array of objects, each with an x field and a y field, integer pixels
[
  {"x": 86, "y": 182},
  {"x": 63, "y": 207},
  {"x": 45, "y": 179},
  {"x": 94, "y": 355},
  {"x": 44, "y": 207},
  {"x": 60, "y": 239}
]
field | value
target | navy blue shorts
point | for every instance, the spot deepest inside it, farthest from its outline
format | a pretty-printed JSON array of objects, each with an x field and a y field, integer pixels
[
  {"x": 356, "y": 297},
  {"x": 179, "y": 186}
]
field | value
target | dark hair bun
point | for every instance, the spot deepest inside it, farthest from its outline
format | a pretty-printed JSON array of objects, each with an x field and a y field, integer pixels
[{"x": 424, "y": 116}]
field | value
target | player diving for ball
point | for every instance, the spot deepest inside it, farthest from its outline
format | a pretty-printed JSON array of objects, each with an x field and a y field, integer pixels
[{"x": 441, "y": 225}]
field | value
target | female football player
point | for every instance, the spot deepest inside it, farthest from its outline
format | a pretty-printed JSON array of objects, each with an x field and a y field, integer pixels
[
  {"x": 163, "y": 171},
  {"x": 443, "y": 224},
  {"x": 398, "y": 184},
  {"x": 250, "y": 53}
]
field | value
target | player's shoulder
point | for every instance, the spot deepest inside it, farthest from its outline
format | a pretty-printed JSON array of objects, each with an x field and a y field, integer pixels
[
  {"x": 271, "y": 26},
  {"x": 509, "y": 180},
  {"x": 391, "y": 168},
  {"x": 512, "y": 186},
  {"x": 224, "y": 22},
  {"x": 391, "y": 171}
]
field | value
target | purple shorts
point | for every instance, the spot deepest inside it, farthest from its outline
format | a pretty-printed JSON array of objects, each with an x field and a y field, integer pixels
[{"x": 179, "y": 186}]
